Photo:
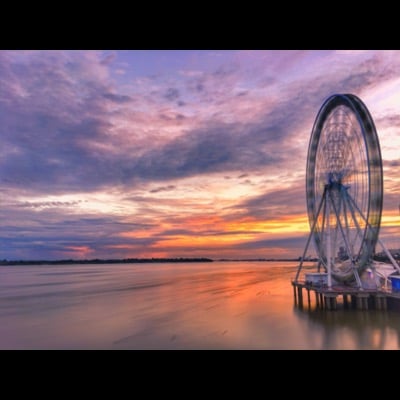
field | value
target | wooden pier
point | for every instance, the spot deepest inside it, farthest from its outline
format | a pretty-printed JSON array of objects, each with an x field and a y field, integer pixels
[{"x": 349, "y": 297}]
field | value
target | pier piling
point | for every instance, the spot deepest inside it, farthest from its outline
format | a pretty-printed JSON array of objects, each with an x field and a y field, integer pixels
[{"x": 352, "y": 297}]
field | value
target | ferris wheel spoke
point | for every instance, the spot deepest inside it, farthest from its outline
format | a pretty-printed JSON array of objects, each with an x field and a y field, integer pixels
[
  {"x": 346, "y": 221},
  {"x": 344, "y": 237},
  {"x": 323, "y": 224},
  {"x": 359, "y": 231},
  {"x": 354, "y": 204},
  {"x": 338, "y": 222},
  {"x": 370, "y": 231}
]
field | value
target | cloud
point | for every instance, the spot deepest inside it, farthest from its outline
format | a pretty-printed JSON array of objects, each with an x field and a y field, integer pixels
[
  {"x": 47, "y": 123},
  {"x": 218, "y": 146},
  {"x": 45, "y": 204},
  {"x": 214, "y": 148},
  {"x": 117, "y": 98},
  {"x": 68, "y": 127},
  {"x": 65, "y": 136},
  {"x": 274, "y": 203},
  {"x": 391, "y": 163},
  {"x": 172, "y": 94},
  {"x": 52, "y": 232},
  {"x": 287, "y": 242},
  {"x": 163, "y": 189}
]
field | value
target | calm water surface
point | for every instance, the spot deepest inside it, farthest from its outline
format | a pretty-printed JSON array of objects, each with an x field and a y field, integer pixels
[{"x": 219, "y": 305}]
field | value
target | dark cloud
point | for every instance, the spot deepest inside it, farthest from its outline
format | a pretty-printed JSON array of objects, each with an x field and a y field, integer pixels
[
  {"x": 173, "y": 232},
  {"x": 48, "y": 234},
  {"x": 163, "y": 189},
  {"x": 117, "y": 98},
  {"x": 391, "y": 163},
  {"x": 42, "y": 204},
  {"x": 274, "y": 203},
  {"x": 42, "y": 246},
  {"x": 199, "y": 86},
  {"x": 196, "y": 84},
  {"x": 172, "y": 94},
  {"x": 222, "y": 147},
  {"x": 53, "y": 139},
  {"x": 175, "y": 117},
  {"x": 165, "y": 235},
  {"x": 225, "y": 71},
  {"x": 286, "y": 242},
  {"x": 48, "y": 126},
  {"x": 57, "y": 158},
  {"x": 388, "y": 121}
]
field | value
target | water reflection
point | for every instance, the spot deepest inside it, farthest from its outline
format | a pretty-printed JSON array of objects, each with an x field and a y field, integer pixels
[
  {"x": 220, "y": 305},
  {"x": 351, "y": 329}
]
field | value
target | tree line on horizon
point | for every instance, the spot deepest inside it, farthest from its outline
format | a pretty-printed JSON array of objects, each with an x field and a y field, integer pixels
[{"x": 105, "y": 261}]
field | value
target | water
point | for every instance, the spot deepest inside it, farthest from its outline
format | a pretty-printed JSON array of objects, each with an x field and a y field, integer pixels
[{"x": 219, "y": 305}]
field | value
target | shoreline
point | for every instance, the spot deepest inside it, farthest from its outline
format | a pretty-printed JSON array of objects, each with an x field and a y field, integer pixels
[
  {"x": 139, "y": 261},
  {"x": 105, "y": 261}
]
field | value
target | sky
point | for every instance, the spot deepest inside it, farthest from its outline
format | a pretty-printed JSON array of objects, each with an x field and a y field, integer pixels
[{"x": 175, "y": 153}]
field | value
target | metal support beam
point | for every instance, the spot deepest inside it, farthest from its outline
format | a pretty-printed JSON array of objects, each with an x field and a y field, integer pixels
[
  {"x": 310, "y": 236},
  {"x": 328, "y": 245}
]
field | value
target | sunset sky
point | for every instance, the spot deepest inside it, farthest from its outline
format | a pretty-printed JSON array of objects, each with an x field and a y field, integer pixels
[{"x": 115, "y": 154}]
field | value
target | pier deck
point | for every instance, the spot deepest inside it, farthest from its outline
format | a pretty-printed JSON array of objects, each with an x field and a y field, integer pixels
[{"x": 351, "y": 297}]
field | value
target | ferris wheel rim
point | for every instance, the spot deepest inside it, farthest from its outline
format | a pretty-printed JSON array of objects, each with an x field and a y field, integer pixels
[{"x": 368, "y": 182}]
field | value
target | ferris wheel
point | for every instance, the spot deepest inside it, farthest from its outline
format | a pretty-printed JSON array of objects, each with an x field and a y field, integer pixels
[{"x": 344, "y": 187}]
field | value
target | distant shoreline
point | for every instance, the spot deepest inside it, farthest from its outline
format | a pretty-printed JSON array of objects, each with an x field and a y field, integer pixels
[
  {"x": 140, "y": 261},
  {"x": 106, "y": 261}
]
